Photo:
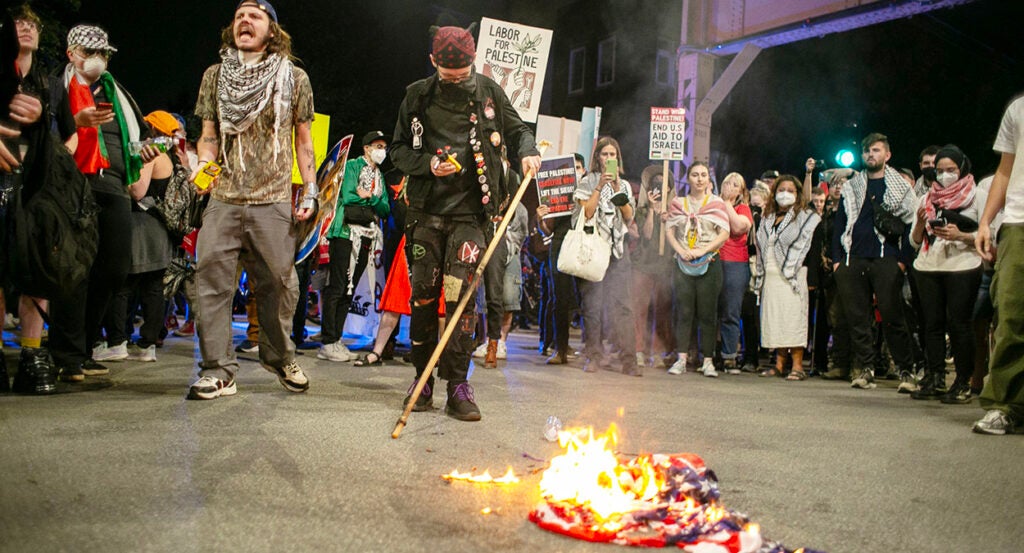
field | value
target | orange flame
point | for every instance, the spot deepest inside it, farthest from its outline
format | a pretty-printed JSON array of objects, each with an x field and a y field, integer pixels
[
  {"x": 508, "y": 478},
  {"x": 590, "y": 474}
]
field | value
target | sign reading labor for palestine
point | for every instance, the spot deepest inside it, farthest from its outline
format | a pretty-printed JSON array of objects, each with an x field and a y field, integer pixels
[
  {"x": 556, "y": 183},
  {"x": 668, "y": 127},
  {"x": 516, "y": 57}
]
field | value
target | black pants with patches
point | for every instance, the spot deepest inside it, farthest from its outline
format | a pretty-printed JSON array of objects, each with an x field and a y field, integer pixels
[{"x": 443, "y": 253}]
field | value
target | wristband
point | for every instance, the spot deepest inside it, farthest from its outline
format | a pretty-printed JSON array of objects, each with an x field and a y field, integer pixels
[{"x": 309, "y": 196}]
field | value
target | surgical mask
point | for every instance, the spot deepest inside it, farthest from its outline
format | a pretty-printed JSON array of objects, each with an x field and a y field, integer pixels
[
  {"x": 94, "y": 66},
  {"x": 378, "y": 156},
  {"x": 785, "y": 199},
  {"x": 945, "y": 179}
]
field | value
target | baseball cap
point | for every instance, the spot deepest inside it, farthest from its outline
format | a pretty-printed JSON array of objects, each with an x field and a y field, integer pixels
[{"x": 374, "y": 136}]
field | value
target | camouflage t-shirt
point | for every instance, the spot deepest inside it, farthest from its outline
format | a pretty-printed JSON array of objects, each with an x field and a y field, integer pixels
[{"x": 263, "y": 180}]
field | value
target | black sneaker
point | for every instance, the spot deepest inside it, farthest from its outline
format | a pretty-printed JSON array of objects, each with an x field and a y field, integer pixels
[
  {"x": 92, "y": 368},
  {"x": 71, "y": 373},
  {"x": 36, "y": 373},
  {"x": 931, "y": 388},
  {"x": 425, "y": 401},
  {"x": 461, "y": 404},
  {"x": 958, "y": 394}
]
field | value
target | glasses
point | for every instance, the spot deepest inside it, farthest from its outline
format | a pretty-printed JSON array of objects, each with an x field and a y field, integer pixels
[
  {"x": 90, "y": 52},
  {"x": 27, "y": 24}
]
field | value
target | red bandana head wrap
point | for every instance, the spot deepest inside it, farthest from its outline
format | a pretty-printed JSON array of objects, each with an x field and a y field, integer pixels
[{"x": 453, "y": 48}]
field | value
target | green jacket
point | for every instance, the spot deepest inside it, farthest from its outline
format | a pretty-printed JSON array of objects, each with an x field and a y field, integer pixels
[{"x": 349, "y": 196}]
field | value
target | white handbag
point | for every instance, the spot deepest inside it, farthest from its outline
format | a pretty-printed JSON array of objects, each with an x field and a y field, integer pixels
[{"x": 585, "y": 255}]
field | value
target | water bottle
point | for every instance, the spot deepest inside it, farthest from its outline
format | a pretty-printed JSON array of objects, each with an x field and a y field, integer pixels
[
  {"x": 162, "y": 143},
  {"x": 551, "y": 428}
]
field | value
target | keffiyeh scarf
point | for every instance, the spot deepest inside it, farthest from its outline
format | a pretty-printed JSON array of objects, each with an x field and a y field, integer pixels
[
  {"x": 681, "y": 211},
  {"x": 899, "y": 198},
  {"x": 243, "y": 91},
  {"x": 954, "y": 197}
]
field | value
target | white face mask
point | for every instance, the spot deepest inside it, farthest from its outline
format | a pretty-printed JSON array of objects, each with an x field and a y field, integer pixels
[
  {"x": 94, "y": 66},
  {"x": 378, "y": 156},
  {"x": 945, "y": 179},
  {"x": 785, "y": 199}
]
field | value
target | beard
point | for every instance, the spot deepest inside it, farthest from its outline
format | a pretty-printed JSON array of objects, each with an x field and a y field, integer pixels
[{"x": 874, "y": 165}]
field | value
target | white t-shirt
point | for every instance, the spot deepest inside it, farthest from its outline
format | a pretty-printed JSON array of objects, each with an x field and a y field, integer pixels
[
  {"x": 952, "y": 255},
  {"x": 1010, "y": 140}
]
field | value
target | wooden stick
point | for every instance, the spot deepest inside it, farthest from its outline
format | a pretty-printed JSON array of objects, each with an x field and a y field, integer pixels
[
  {"x": 453, "y": 318},
  {"x": 664, "y": 202}
]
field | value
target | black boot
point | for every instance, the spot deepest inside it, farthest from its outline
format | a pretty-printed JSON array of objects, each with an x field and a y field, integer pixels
[
  {"x": 5, "y": 383},
  {"x": 36, "y": 372},
  {"x": 932, "y": 387}
]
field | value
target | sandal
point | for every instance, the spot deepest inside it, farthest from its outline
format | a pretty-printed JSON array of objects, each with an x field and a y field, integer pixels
[
  {"x": 769, "y": 372},
  {"x": 365, "y": 361},
  {"x": 796, "y": 375}
]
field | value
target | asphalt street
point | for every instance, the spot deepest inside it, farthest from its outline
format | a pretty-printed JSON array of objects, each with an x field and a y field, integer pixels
[{"x": 126, "y": 463}]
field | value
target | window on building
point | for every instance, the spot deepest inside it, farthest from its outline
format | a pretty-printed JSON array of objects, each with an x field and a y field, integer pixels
[
  {"x": 606, "y": 62},
  {"x": 664, "y": 70},
  {"x": 577, "y": 65}
]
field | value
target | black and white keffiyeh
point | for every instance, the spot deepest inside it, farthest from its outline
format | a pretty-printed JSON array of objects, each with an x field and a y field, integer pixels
[
  {"x": 899, "y": 199},
  {"x": 243, "y": 91},
  {"x": 789, "y": 242}
]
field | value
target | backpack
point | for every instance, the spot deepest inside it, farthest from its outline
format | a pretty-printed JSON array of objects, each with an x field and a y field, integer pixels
[
  {"x": 180, "y": 207},
  {"x": 55, "y": 231}
]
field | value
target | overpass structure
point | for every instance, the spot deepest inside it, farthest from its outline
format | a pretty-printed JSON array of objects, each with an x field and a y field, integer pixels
[{"x": 713, "y": 29}]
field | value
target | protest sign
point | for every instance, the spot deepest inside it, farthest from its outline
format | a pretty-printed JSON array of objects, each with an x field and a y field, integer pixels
[{"x": 516, "y": 57}]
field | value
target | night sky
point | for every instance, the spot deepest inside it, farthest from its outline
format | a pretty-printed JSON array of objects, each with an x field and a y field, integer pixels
[{"x": 936, "y": 78}]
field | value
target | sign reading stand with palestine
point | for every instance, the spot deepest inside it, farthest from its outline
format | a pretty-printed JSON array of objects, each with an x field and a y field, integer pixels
[
  {"x": 668, "y": 127},
  {"x": 556, "y": 183},
  {"x": 516, "y": 57}
]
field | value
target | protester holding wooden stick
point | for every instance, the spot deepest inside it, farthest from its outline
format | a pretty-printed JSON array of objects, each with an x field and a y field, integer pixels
[{"x": 448, "y": 139}]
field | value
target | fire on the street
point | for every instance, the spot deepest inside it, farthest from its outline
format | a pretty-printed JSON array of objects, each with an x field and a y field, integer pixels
[
  {"x": 651, "y": 500},
  {"x": 508, "y": 478}
]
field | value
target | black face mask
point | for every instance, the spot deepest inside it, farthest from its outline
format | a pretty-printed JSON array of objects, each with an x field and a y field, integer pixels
[
  {"x": 929, "y": 174},
  {"x": 464, "y": 88}
]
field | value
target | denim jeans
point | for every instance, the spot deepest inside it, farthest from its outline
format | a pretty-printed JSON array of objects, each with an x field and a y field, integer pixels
[{"x": 735, "y": 278}]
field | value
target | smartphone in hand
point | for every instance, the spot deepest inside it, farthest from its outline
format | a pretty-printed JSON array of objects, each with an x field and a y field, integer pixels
[
  {"x": 611, "y": 167},
  {"x": 104, "y": 106}
]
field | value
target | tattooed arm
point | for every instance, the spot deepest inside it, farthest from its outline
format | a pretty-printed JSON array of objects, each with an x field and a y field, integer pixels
[
  {"x": 306, "y": 160},
  {"x": 208, "y": 149}
]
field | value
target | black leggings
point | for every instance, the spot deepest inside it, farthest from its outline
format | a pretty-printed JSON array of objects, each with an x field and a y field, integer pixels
[
  {"x": 696, "y": 306},
  {"x": 947, "y": 303}
]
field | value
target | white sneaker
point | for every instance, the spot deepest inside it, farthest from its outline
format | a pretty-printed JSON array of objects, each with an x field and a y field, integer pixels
[
  {"x": 502, "y": 350},
  {"x": 481, "y": 351},
  {"x": 679, "y": 367},
  {"x": 147, "y": 355},
  {"x": 335, "y": 352},
  {"x": 641, "y": 359},
  {"x": 291, "y": 376},
  {"x": 209, "y": 387},
  {"x": 709, "y": 369},
  {"x": 112, "y": 353}
]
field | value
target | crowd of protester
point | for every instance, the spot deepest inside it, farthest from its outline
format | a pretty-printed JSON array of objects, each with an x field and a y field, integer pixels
[{"x": 855, "y": 275}]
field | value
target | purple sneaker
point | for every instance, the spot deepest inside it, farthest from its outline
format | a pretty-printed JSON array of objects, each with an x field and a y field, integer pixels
[
  {"x": 426, "y": 400},
  {"x": 461, "y": 404}
]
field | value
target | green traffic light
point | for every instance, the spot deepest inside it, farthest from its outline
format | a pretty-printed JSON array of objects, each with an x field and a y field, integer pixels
[{"x": 845, "y": 158}]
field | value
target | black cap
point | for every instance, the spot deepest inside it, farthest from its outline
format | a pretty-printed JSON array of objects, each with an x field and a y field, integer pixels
[
  {"x": 770, "y": 174},
  {"x": 374, "y": 136}
]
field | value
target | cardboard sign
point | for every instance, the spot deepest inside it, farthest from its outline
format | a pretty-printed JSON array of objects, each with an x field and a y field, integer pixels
[
  {"x": 556, "y": 183},
  {"x": 320, "y": 129},
  {"x": 668, "y": 129},
  {"x": 516, "y": 57}
]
